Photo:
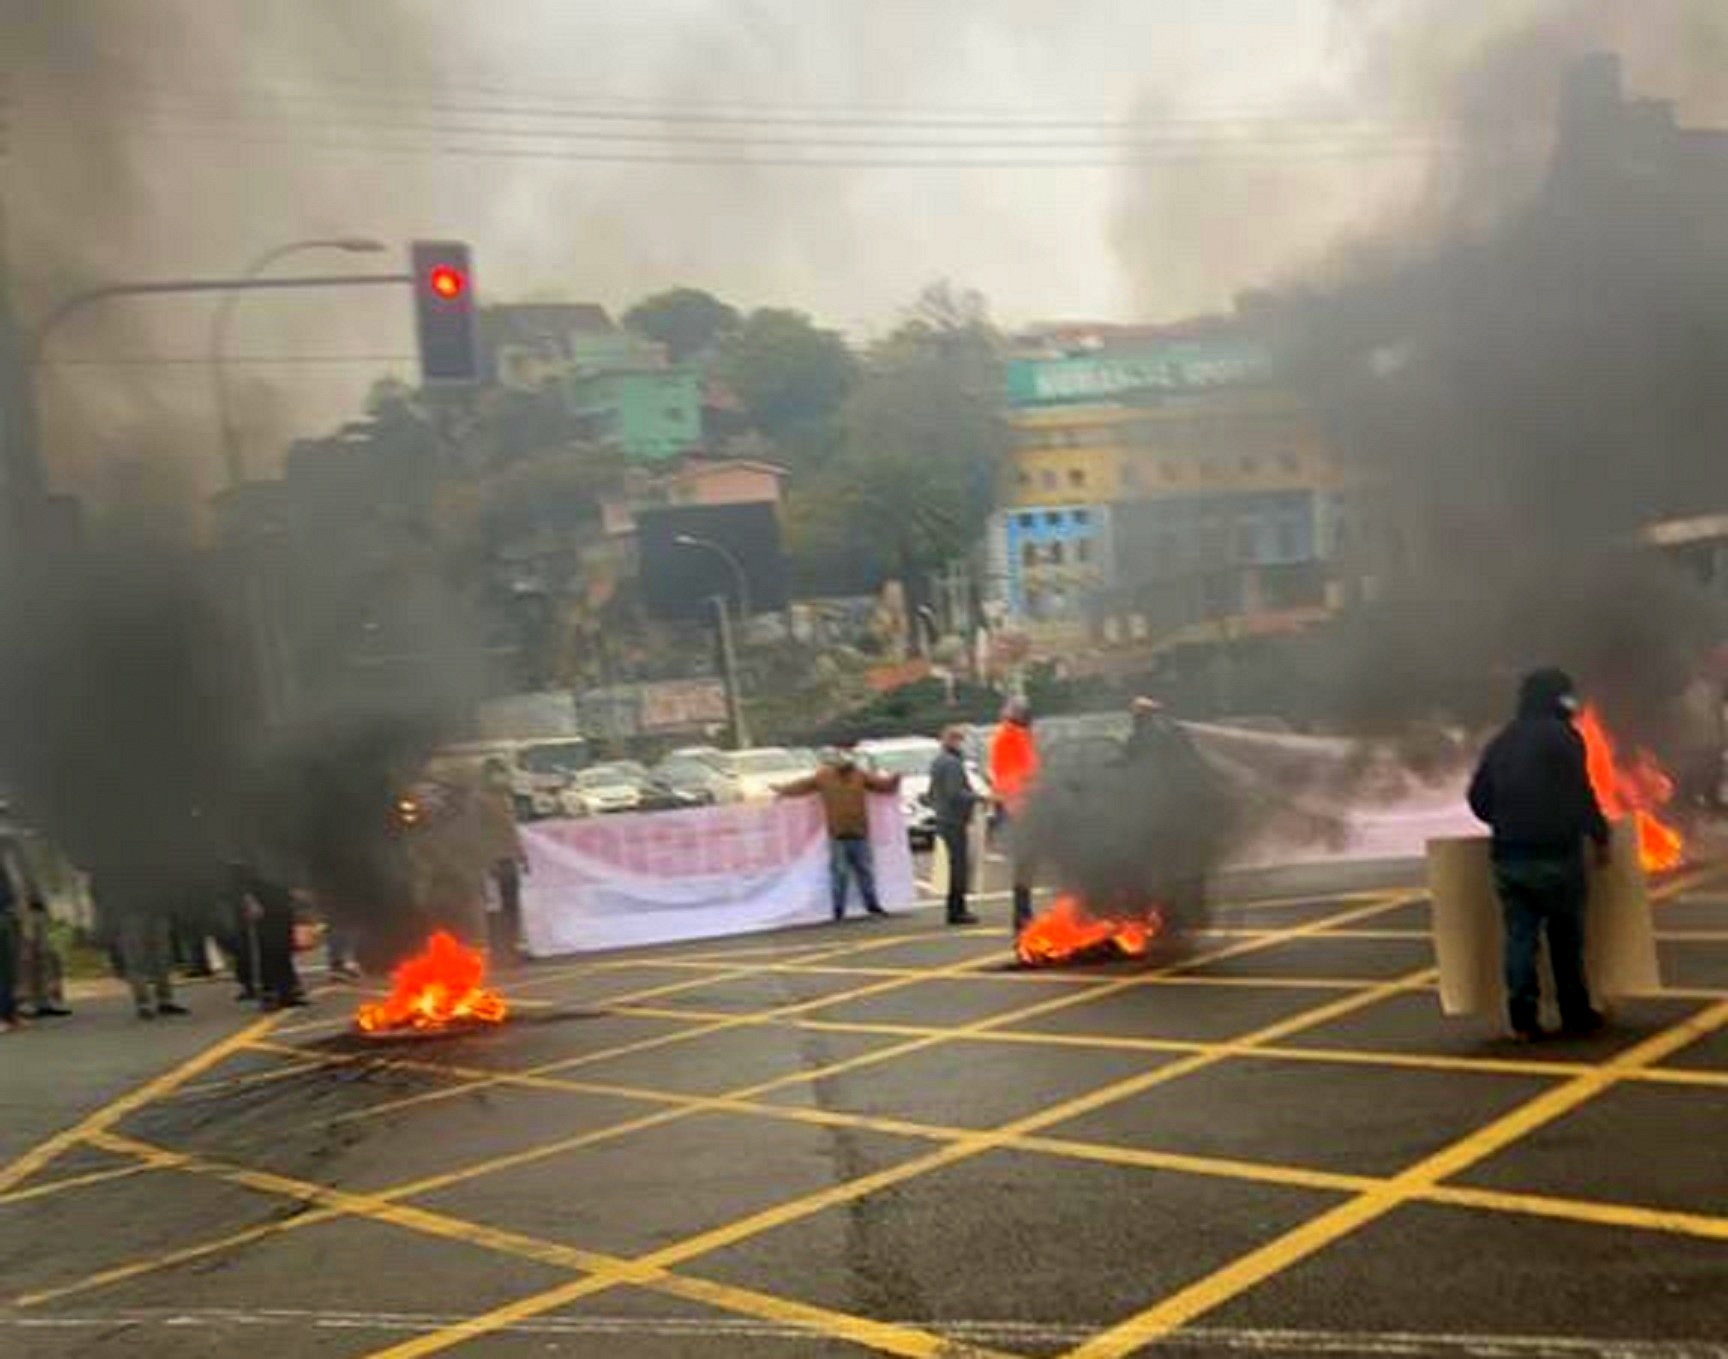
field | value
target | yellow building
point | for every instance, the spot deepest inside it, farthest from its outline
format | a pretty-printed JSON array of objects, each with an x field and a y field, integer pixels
[{"x": 1220, "y": 443}]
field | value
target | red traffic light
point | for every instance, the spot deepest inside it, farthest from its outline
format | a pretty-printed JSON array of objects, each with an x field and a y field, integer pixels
[{"x": 447, "y": 282}]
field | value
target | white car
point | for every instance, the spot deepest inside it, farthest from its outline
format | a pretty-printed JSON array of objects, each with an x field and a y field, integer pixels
[
  {"x": 603, "y": 788},
  {"x": 911, "y": 757},
  {"x": 758, "y": 772}
]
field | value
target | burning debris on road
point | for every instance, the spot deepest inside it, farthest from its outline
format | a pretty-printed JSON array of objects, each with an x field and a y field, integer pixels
[{"x": 440, "y": 990}]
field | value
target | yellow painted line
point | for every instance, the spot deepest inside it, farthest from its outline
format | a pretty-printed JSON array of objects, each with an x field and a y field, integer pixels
[
  {"x": 100, "y": 1120},
  {"x": 603, "y": 1271},
  {"x": 669, "y": 1257},
  {"x": 1314, "y": 1235},
  {"x": 73, "y": 1182},
  {"x": 667, "y": 1115},
  {"x": 1598, "y": 1214}
]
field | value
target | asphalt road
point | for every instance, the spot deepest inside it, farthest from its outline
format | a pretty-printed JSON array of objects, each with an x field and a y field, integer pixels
[{"x": 875, "y": 1138}]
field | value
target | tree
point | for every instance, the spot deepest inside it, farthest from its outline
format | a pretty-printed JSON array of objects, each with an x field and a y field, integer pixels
[
  {"x": 790, "y": 376},
  {"x": 688, "y": 321},
  {"x": 922, "y": 441}
]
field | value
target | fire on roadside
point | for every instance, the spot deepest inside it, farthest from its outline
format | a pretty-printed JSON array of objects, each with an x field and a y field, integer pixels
[
  {"x": 1066, "y": 932},
  {"x": 438, "y": 989},
  {"x": 1634, "y": 786}
]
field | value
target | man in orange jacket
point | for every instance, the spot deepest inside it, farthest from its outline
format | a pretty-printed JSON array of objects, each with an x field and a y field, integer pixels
[{"x": 1013, "y": 772}]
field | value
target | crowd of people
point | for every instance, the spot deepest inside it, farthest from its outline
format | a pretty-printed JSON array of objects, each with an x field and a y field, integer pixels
[{"x": 464, "y": 856}]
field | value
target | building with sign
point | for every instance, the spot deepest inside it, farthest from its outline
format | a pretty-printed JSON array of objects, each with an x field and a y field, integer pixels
[{"x": 1161, "y": 479}]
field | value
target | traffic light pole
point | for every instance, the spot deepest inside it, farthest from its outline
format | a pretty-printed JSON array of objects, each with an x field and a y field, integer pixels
[{"x": 25, "y": 481}]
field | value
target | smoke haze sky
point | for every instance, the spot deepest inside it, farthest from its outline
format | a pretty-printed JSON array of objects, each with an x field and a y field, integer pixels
[{"x": 186, "y": 136}]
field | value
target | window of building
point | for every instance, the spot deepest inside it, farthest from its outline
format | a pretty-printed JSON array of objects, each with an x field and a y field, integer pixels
[
  {"x": 1027, "y": 521},
  {"x": 1289, "y": 462},
  {"x": 1082, "y": 518},
  {"x": 1083, "y": 550},
  {"x": 1053, "y": 518},
  {"x": 1077, "y": 477},
  {"x": 1028, "y": 554},
  {"x": 1289, "y": 541},
  {"x": 1048, "y": 478},
  {"x": 1025, "y": 477},
  {"x": 1056, "y": 554}
]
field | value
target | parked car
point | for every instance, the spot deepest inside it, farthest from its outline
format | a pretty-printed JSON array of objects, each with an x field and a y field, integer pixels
[
  {"x": 540, "y": 770},
  {"x": 756, "y": 773},
  {"x": 694, "y": 782},
  {"x": 910, "y": 757},
  {"x": 603, "y": 788}
]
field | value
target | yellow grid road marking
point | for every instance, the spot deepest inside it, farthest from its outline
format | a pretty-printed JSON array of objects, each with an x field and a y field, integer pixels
[
  {"x": 602, "y": 1271},
  {"x": 647, "y": 1121},
  {"x": 1620, "y": 1213},
  {"x": 1314, "y": 1235},
  {"x": 794, "y": 1210},
  {"x": 100, "y": 1120},
  {"x": 747, "y": 1019}
]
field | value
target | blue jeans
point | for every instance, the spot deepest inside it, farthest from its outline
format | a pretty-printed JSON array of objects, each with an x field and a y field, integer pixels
[
  {"x": 1537, "y": 897},
  {"x": 849, "y": 858}
]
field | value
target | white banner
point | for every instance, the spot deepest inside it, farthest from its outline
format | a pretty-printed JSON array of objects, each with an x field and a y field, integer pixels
[
  {"x": 639, "y": 878},
  {"x": 1320, "y": 798}
]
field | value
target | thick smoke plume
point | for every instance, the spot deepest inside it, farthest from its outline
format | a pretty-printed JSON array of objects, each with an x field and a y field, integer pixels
[{"x": 1522, "y": 372}]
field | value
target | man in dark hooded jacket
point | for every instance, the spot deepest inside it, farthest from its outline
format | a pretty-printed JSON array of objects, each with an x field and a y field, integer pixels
[{"x": 1533, "y": 789}]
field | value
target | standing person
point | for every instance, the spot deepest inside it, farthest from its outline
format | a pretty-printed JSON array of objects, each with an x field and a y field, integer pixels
[
  {"x": 8, "y": 956},
  {"x": 269, "y": 908},
  {"x": 844, "y": 787},
  {"x": 39, "y": 971},
  {"x": 502, "y": 848},
  {"x": 1013, "y": 771},
  {"x": 1533, "y": 789},
  {"x": 953, "y": 801},
  {"x": 147, "y": 955}
]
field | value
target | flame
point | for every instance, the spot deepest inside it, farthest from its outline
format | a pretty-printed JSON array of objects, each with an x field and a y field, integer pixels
[
  {"x": 437, "y": 987},
  {"x": 1067, "y": 931},
  {"x": 1638, "y": 788}
]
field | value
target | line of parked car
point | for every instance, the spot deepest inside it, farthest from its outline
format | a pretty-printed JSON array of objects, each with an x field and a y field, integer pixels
[{"x": 559, "y": 777}]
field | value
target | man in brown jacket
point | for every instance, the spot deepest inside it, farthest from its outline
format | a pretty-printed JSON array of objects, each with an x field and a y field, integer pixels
[{"x": 844, "y": 787}]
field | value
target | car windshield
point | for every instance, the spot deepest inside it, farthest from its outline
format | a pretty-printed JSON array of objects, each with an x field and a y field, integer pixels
[
  {"x": 610, "y": 775},
  {"x": 554, "y": 757},
  {"x": 685, "y": 771},
  {"x": 903, "y": 760}
]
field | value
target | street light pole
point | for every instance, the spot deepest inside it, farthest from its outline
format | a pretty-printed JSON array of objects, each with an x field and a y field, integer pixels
[
  {"x": 728, "y": 659},
  {"x": 739, "y": 578},
  {"x": 729, "y": 673},
  {"x": 221, "y": 320}
]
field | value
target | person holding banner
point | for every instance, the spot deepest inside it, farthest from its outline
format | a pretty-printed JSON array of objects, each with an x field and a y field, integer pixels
[
  {"x": 844, "y": 787},
  {"x": 1533, "y": 789}
]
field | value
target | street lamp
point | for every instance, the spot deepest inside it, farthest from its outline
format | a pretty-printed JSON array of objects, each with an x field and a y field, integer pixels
[
  {"x": 728, "y": 660},
  {"x": 222, "y": 319},
  {"x": 725, "y": 555}
]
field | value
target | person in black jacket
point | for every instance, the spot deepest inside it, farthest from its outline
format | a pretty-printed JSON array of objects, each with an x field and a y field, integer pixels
[
  {"x": 953, "y": 800},
  {"x": 1533, "y": 790}
]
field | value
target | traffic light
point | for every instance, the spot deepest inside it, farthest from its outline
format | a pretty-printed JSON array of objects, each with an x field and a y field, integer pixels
[{"x": 444, "y": 310}]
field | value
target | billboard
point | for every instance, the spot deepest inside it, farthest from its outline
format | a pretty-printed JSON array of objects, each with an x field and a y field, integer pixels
[
  {"x": 1185, "y": 366},
  {"x": 691, "y": 553}
]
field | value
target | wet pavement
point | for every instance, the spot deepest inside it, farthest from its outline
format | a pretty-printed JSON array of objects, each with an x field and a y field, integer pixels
[{"x": 877, "y": 1138}]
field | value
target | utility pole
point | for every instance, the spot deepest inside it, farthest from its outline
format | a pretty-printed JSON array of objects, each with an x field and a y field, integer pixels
[
  {"x": 729, "y": 673},
  {"x": 20, "y": 465}
]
